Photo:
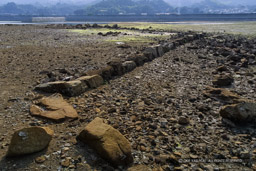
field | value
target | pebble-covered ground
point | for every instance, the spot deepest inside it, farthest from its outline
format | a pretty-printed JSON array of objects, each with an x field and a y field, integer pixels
[{"x": 160, "y": 107}]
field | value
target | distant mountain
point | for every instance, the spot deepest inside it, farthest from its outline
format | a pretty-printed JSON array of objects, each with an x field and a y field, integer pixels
[
  {"x": 57, "y": 9},
  {"x": 189, "y": 3},
  {"x": 117, "y": 7},
  {"x": 239, "y": 2},
  {"x": 210, "y": 4},
  {"x": 124, "y": 7},
  {"x": 48, "y": 2}
]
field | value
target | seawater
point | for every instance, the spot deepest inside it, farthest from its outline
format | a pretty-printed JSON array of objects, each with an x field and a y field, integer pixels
[{"x": 172, "y": 19}]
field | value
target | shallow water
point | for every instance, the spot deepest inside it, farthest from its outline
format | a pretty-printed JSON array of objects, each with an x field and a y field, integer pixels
[{"x": 194, "y": 19}]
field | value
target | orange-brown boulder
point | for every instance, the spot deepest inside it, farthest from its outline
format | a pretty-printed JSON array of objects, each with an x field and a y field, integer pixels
[
  {"x": 29, "y": 140},
  {"x": 108, "y": 142}
]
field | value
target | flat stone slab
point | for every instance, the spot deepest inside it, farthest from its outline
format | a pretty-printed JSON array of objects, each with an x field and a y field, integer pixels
[
  {"x": 69, "y": 88},
  {"x": 54, "y": 108},
  {"x": 93, "y": 81},
  {"x": 222, "y": 94}
]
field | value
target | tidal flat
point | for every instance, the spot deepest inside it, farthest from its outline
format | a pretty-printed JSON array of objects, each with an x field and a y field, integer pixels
[{"x": 182, "y": 97}]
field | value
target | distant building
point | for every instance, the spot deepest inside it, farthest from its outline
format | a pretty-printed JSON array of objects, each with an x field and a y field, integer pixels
[
  {"x": 131, "y": 14},
  {"x": 163, "y": 13}
]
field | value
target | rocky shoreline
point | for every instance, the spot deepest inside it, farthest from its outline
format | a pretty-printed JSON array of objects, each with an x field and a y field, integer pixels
[{"x": 185, "y": 103}]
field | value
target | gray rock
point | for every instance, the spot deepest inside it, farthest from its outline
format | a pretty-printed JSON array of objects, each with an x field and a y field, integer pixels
[
  {"x": 160, "y": 50},
  {"x": 243, "y": 112},
  {"x": 183, "y": 120},
  {"x": 139, "y": 59},
  {"x": 69, "y": 88},
  {"x": 93, "y": 81},
  {"x": 129, "y": 66},
  {"x": 117, "y": 68},
  {"x": 151, "y": 53}
]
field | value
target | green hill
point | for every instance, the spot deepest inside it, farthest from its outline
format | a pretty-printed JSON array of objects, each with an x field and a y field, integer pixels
[{"x": 115, "y": 7}]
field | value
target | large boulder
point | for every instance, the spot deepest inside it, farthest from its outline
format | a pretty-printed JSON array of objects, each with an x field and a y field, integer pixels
[
  {"x": 74, "y": 88},
  {"x": 105, "y": 73},
  {"x": 160, "y": 50},
  {"x": 117, "y": 66},
  {"x": 50, "y": 87},
  {"x": 129, "y": 66},
  {"x": 29, "y": 140},
  {"x": 69, "y": 88},
  {"x": 190, "y": 37},
  {"x": 167, "y": 47},
  {"x": 108, "y": 142},
  {"x": 244, "y": 112},
  {"x": 93, "y": 81},
  {"x": 139, "y": 59},
  {"x": 54, "y": 108},
  {"x": 150, "y": 53}
]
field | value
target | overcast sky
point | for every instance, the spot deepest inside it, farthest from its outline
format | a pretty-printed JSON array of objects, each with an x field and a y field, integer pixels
[{"x": 172, "y": 2}]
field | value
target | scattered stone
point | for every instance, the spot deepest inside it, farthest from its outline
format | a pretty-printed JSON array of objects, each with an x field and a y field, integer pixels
[
  {"x": 223, "y": 80},
  {"x": 139, "y": 168},
  {"x": 108, "y": 142},
  {"x": 40, "y": 159},
  {"x": 83, "y": 167},
  {"x": 244, "y": 112},
  {"x": 245, "y": 155},
  {"x": 222, "y": 95},
  {"x": 183, "y": 120},
  {"x": 29, "y": 140},
  {"x": 124, "y": 46},
  {"x": 53, "y": 107},
  {"x": 222, "y": 68},
  {"x": 163, "y": 122},
  {"x": 178, "y": 169},
  {"x": 66, "y": 162}
]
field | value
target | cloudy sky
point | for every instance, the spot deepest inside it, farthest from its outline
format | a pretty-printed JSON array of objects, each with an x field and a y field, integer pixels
[{"x": 172, "y": 2}]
